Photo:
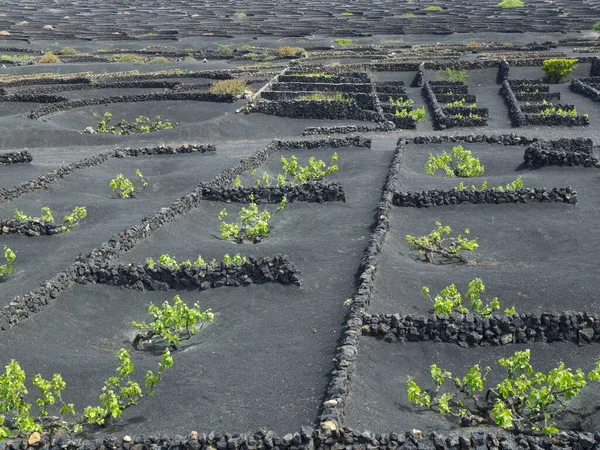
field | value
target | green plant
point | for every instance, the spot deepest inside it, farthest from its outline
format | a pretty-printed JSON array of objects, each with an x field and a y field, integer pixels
[
  {"x": 408, "y": 15},
  {"x": 313, "y": 171},
  {"x": 170, "y": 262},
  {"x": 70, "y": 220},
  {"x": 233, "y": 86},
  {"x": 347, "y": 13},
  {"x": 450, "y": 300},
  {"x": 459, "y": 163},
  {"x": 558, "y": 111},
  {"x": 513, "y": 186},
  {"x": 48, "y": 58},
  {"x": 68, "y": 51},
  {"x": 558, "y": 68},
  {"x": 7, "y": 267},
  {"x": 418, "y": 114},
  {"x": 401, "y": 102},
  {"x": 343, "y": 42},
  {"x": 141, "y": 124},
  {"x": 239, "y": 15},
  {"x": 448, "y": 248},
  {"x": 287, "y": 51},
  {"x": 511, "y": 4},
  {"x": 325, "y": 96},
  {"x": 172, "y": 323},
  {"x": 314, "y": 74},
  {"x": 120, "y": 392},
  {"x": 129, "y": 58},
  {"x": 462, "y": 103},
  {"x": 596, "y": 26},
  {"x": 124, "y": 186},
  {"x": 251, "y": 226},
  {"x": 115, "y": 397},
  {"x": 449, "y": 74},
  {"x": 525, "y": 401},
  {"x": 159, "y": 60},
  {"x": 433, "y": 8}
]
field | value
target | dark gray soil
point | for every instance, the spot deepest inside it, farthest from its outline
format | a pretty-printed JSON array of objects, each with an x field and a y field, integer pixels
[{"x": 378, "y": 401}]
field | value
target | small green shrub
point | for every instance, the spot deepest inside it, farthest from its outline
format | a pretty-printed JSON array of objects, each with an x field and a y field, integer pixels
[
  {"x": 459, "y": 163},
  {"x": 129, "y": 58},
  {"x": 252, "y": 225},
  {"x": 418, "y": 114},
  {"x": 120, "y": 392},
  {"x": 313, "y": 171},
  {"x": 125, "y": 187},
  {"x": 347, "y": 13},
  {"x": 401, "y": 102},
  {"x": 513, "y": 186},
  {"x": 450, "y": 300},
  {"x": 525, "y": 401},
  {"x": 558, "y": 68},
  {"x": 511, "y": 4},
  {"x": 159, "y": 60},
  {"x": 449, "y": 74},
  {"x": 171, "y": 263},
  {"x": 325, "y": 96},
  {"x": 141, "y": 124},
  {"x": 462, "y": 103},
  {"x": 6, "y": 269},
  {"x": 596, "y": 26},
  {"x": 68, "y": 51},
  {"x": 70, "y": 220},
  {"x": 558, "y": 111},
  {"x": 343, "y": 42},
  {"x": 433, "y": 8},
  {"x": 314, "y": 74},
  {"x": 234, "y": 86},
  {"x": 172, "y": 323},
  {"x": 408, "y": 15},
  {"x": 239, "y": 15},
  {"x": 448, "y": 248}
]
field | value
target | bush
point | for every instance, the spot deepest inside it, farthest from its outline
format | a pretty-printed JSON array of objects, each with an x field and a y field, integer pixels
[
  {"x": 433, "y": 8},
  {"x": 172, "y": 323},
  {"x": 418, "y": 114},
  {"x": 48, "y": 58},
  {"x": 453, "y": 75},
  {"x": 235, "y": 86},
  {"x": 287, "y": 51},
  {"x": 525, "y": 401},
  {"x": 6, "y": 268},
  {"x": 124, "y": 186},
  {"x": 119, "y": 393},
  {"x": 459, "y": 163},
  {"x": 449, "y": 300},
  {"x": 343, "y": 42},
  {"x": 239, "y": 15},
  {"x": 252, "y": 225},
  {"x": 448, "y": 248},
  {"x": 159, "y": 60},
  {"x": 141, "y": 124},
  {"x": 557, "y": 69},
  {"x": 511, "y": 4},
  {"x": 129, "y": 58},
  {"x": 347, "y": 13},
  {"x": 70, "y": 220},
  {"x": 596, "y": 26},
  {"x": 325, "y": 96},
  {"x": 313, "y": 171},
  {"x": 68, "y": 51}
]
